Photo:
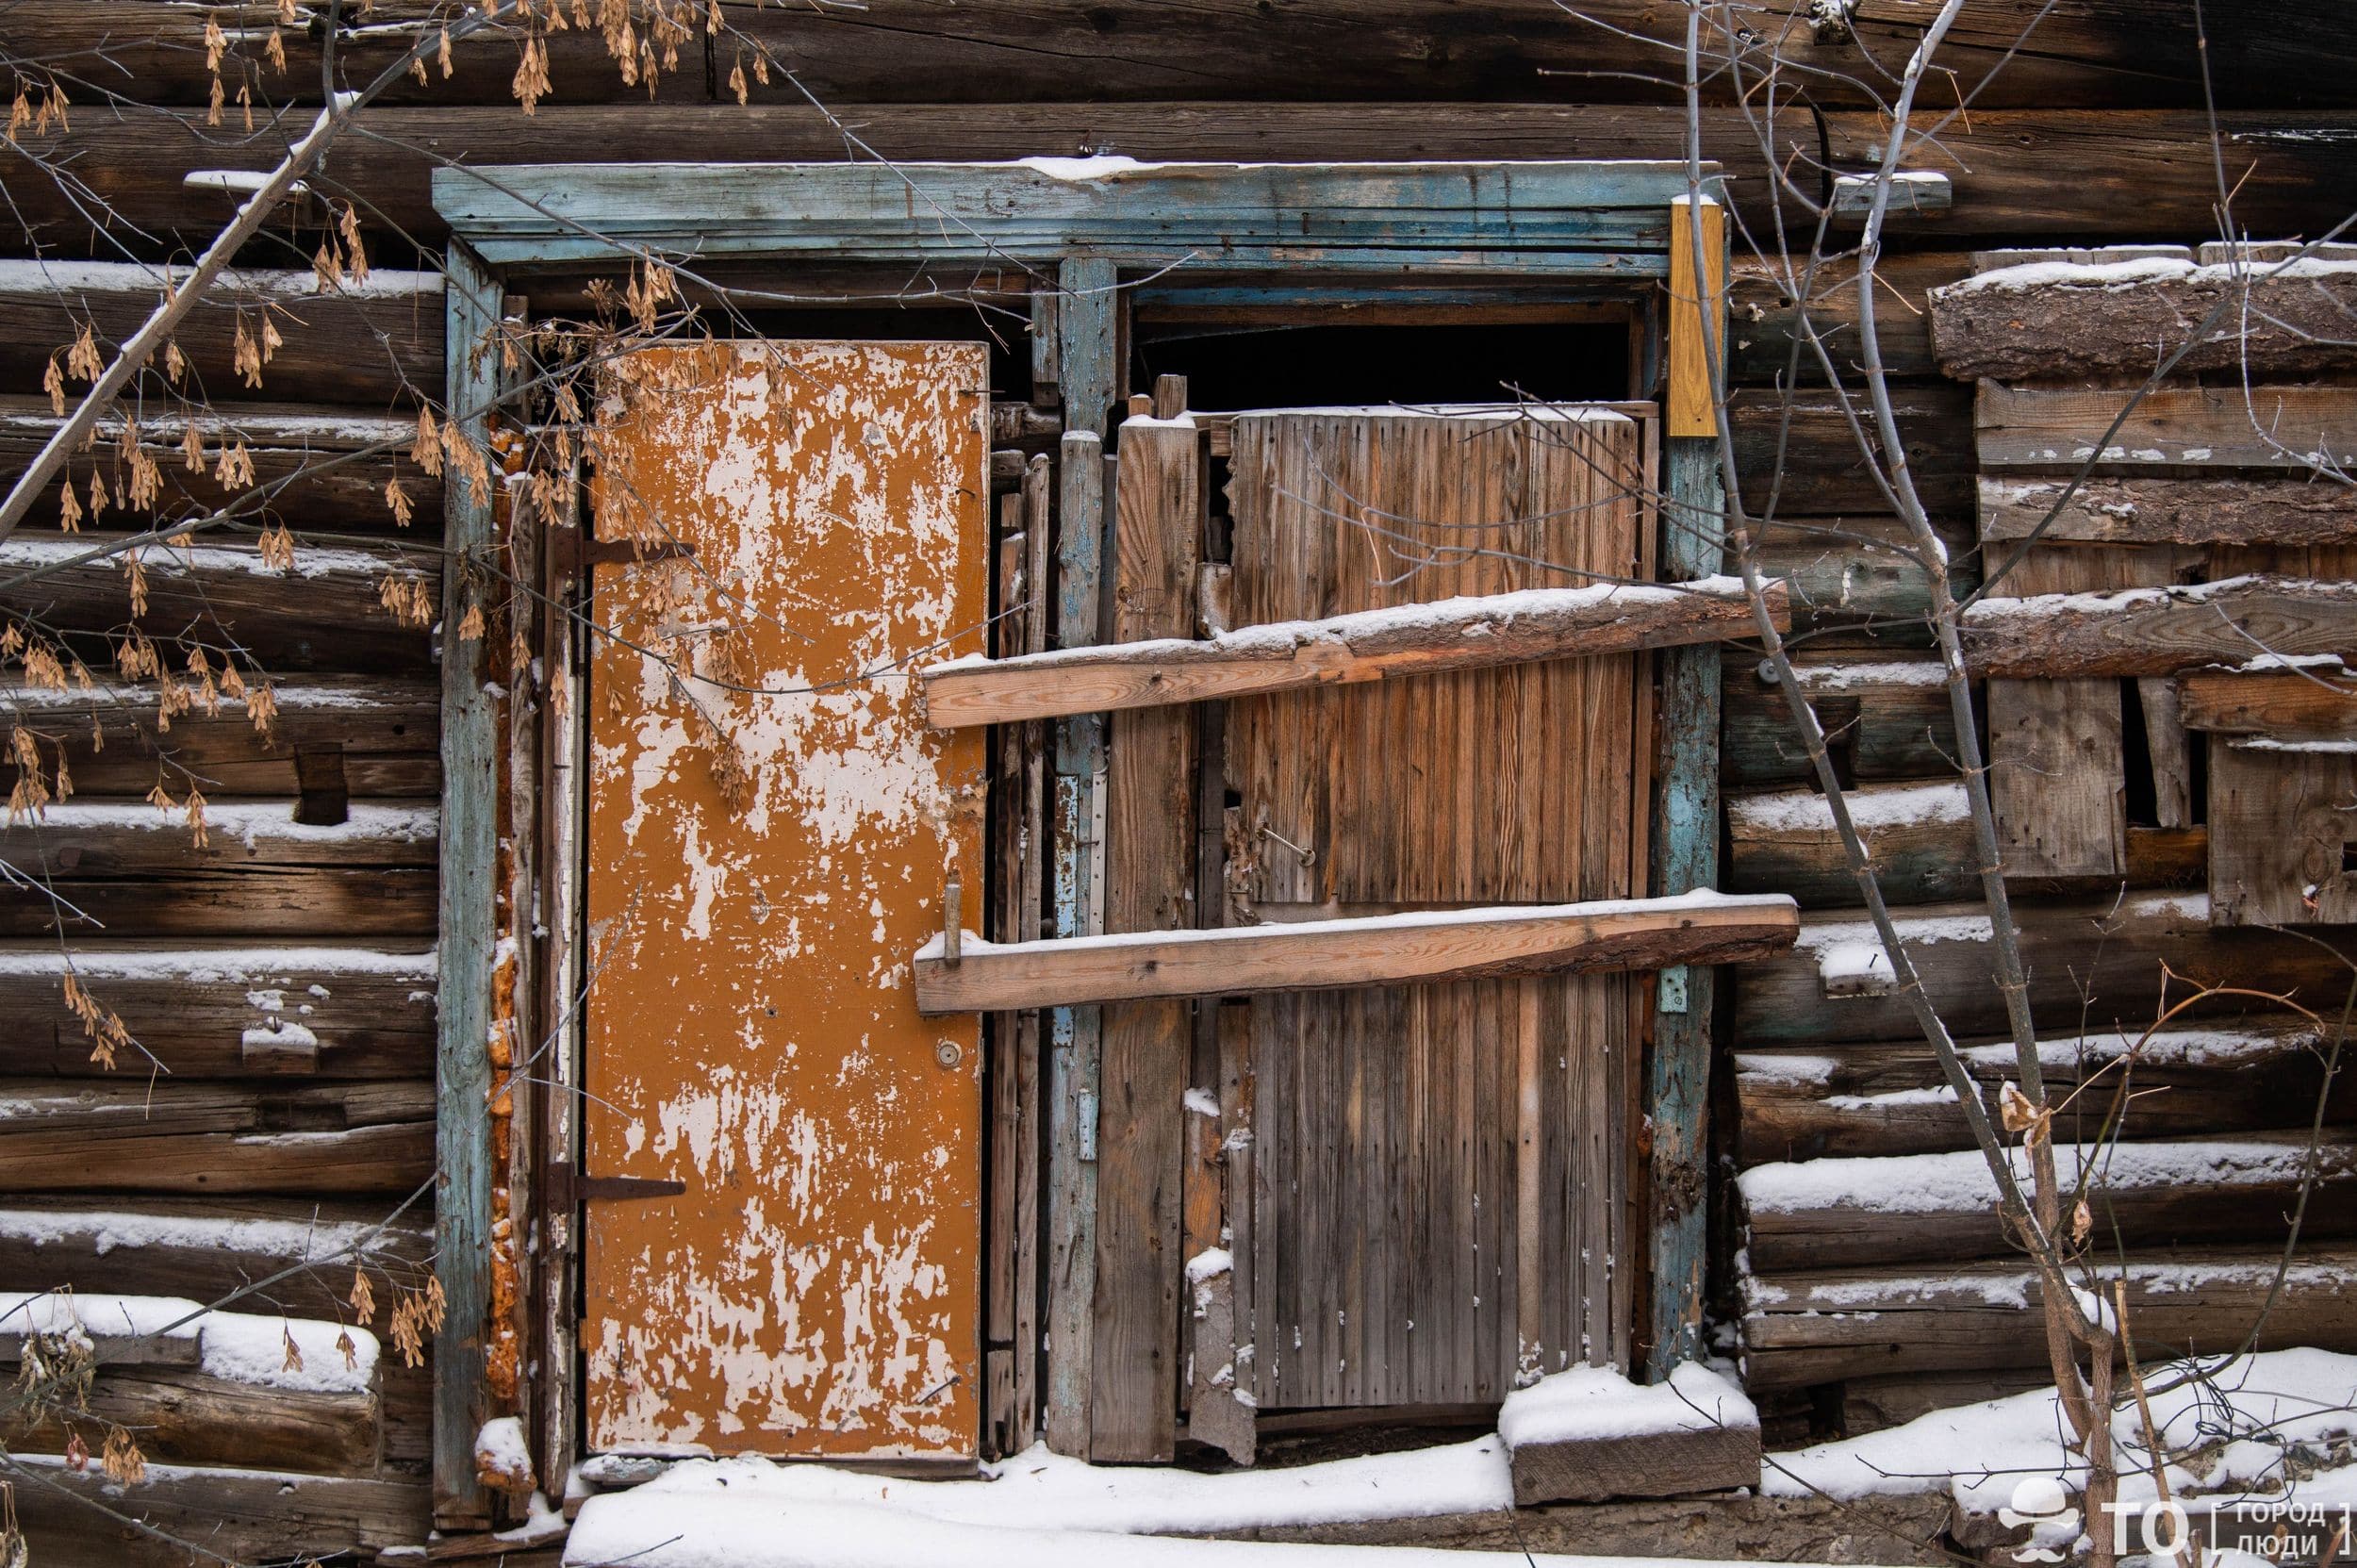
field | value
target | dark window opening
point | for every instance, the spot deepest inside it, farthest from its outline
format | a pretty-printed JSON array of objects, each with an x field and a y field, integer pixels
[
  {"x": 2136, "y": 756},
  {"x": 1261, "y": 367}
]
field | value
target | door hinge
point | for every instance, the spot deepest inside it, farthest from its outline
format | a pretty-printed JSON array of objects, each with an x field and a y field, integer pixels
[
  {"x": 574, "y": 551},
  {"x": 568, "y": 1187}
]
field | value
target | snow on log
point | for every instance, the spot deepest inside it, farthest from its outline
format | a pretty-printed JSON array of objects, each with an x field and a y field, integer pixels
[
  {"x": 2125, "y": 429},
  {"x": 2294, "y": 705},
  {"x": 2161, "y": 631},
  {"x": 1919, "y": 837},
  {"x": 1373, "y": 645},
  {"x": 1588, "y": 1434},
  {"x": 325, "y": 1138},
  {"x": 2056, "y": 320},
  {"x": 1384, "y": 949},
  {"x": 2292, "y": 511}
]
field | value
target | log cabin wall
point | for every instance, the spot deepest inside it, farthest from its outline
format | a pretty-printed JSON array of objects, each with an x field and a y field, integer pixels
[{"x": 282, "y": 973}]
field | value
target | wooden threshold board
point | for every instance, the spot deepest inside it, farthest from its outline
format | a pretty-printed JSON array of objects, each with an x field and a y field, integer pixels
[
  {"x": 1390, "y": 949},
  {"x": 1473, "y": 633}
]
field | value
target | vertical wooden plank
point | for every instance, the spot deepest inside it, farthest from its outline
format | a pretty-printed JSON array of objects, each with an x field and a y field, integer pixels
[
  {"x": 2282, "y": 830},
  {"x": 1697, "y": 293},
  {"x": 1011, "y": 836},
  {"x": 462, "y": 1214},
  {"x": 2171, "y": 750},
  {"x": 1038, "y": 523},
  {"x": 1150, "y": 853},
  {"x": 1084, "y": 315},
  {"x": 1685, "y": 856},
  {"x": 561, "y": 980}
]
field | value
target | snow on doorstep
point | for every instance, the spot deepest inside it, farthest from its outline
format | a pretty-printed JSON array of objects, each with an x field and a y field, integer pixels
[
  {"x": 1960, "y": 1182},
  {"x": 1590, "y": 1404},
  {"x": 500, "y": 1451},
  {"x": 1806, "y": 811},
  {"x": 244, "y": 1348},
  {"x": 1979, "y": 1453}
]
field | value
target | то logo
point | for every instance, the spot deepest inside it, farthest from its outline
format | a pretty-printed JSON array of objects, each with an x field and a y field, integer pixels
[{"x": 2038, "y": 1500}]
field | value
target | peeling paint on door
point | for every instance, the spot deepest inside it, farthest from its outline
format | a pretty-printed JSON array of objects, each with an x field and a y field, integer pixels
[{"x": 761, "y": 863}]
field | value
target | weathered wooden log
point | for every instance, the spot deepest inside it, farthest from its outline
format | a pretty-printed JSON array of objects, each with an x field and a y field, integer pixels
[
  {"x": 128, "y": 868},
  {"x": 205, "y": 1137},
  {"x": 1822, "y": 1327},
  {"x": 1876, "y": 1403},
  {"x": 185, "y": 1417},
  {"x": 2126, "y": 318},
  {"x": 1885, "y": 717},
  {"x": 321, "y": 467},
  {"x": 379, "y": 735},
  {"x": 206, "y": 1248},
  {"x": 1855, "y": 580},
  {"x": 2169, "y": 511},
  {"x": 1838, "y": 1213},
  {"x": 1764, "y": 318},
  {"x": 325, "y": 1012},
  {"x": 1376, "y": 645},
  {"x": 1919, "y": 835},
  {"x": 2160, "y": 631},
  {"x": 1388, "y": 950},
  {"x": 2100, "y": 959},
  {"x": 245, "y": 1514},
  {"x": 326, "y": 614},
  {"x": 2280, "y": 831},
  {"x": 365, "y": 345},
  {"x": 2292, "y": 705},
  {"x": 1800, "y": 448},
  {"x": 2126, "y": 430},
  {"x": 1801, "y": 1103}
]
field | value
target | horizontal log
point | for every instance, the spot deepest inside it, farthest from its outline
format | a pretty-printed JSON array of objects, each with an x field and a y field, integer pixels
[
  {"x": 382, "y": 732},
  {"x": 1855, "y": 582},
  {"x": 246, "y": 1515},
  {"x": 2169, "y": 511},
  {"x": 128, "y": 868},
  {"x": 2125, "y": 317},
  {"x": 1885, "y": 717},
  {"x": 185, "y": 1417},
  {"x": 1393, "y": 949},
  {"x": 2291, "y": 705},
  {"x": 319, "y": 465},
  {"x": 1835, "y": 1213},
  {"x": 2100, "y": 960},
  {"x": 1477, "y": 633},
  {"x": 1919, "y": 837},
  {"x": 216, "y": 1137},
  {"x": 1816, "y": 1328},
  {"x": 2161, "y": 631},
  {"x": 206, "y": 1247},
  {"x": 365, "y": 345},
  {"x": 997, "y": 51},
  {"x": 2170, "y": 427},
  {"x": 1806, "y": 1102},
  {"x": 327, "y": 614},
  {"x": 1764, "y": 317},
  {"x": 1799, "y": 450},
  {"x": 325, "y": 1012}
]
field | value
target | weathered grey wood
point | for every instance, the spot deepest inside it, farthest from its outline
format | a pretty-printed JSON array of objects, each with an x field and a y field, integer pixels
[
  {"x": 1765, "y": 320},
  {"x": 2160, "y": 632},
  {"x": 1463, "y": 944},
  {"x": 1895, "y": 1210},
  {"x": 1919, "y": 837},
  {"x": 341, "y": 1012},
  {"x": 1886, "y": 718},
  {"x": 1159, "y": 519},
  {"x": 1477, "y": 633},
  {"x": 223, "y": 1138},
  {"x": 2100, "y": 960},
  {"x": 1802, "y": 438},
  {"x": 463, "y": 1156},
  {"x": 1824, "y": 1327},
  {"x": 2291, "y": 705},
  {"x": 246, "y": 1514},
  {"x": 1807, "y": 1102},
  {"x": 2124, "y": 320},
  {"x": 1649, "y": 1464},
  {"x": 182, "y": 1416},
  {"x": 1855, "y": 582},
  {"x": 206, "y": 1248},
  {"x": 2280, "y": 833},
  {"x": 2169, "y": 750},
  {"x": 2169, "y": 511},
  {"x": 2202, "y": 427}
]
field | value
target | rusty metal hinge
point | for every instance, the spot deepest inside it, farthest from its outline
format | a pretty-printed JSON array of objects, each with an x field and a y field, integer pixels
[{"x": 568, "y": 1187}]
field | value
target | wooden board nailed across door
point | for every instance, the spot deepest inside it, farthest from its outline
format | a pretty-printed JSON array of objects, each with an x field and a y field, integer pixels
[
  {"x": 761, "y": 863},
  {"x": 1440, "y": 1173}
]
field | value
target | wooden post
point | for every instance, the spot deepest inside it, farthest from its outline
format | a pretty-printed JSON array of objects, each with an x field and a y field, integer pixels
[
  {"x": 1084, "y": 359},
  {"x": 1149, "y": 861},
  {"x": 462, "y": 1211},
  {"x": 1686, "y": 819}
]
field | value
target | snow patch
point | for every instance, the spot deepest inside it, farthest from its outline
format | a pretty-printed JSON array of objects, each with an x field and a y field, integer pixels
[{"x": 1592, "y": 1404}]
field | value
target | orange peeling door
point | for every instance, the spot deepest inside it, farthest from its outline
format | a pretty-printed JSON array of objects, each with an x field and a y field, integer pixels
[{"x": 762, "y": 864}]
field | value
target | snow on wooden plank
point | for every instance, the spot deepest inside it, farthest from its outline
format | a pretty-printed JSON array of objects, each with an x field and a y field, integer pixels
[
  {"x": 1918, "y": 835},
  {"x": 1885, "y": 719},
  {"x": 208, "y": 1247},
  {"x": 2127, "y": 430},
  {"x": 1588, "y": 1434},
  {"x": 2288, "y": 511},
  {"x": 2161, "y": 631},
  {"x": 2281, "y": 704},
  {"x": 1411, "y": 640},
  {"x": 1463, "y": 944}
]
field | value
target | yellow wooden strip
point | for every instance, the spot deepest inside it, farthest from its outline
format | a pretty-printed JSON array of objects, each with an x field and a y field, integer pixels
[{"x": 1693, "y": 388}]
